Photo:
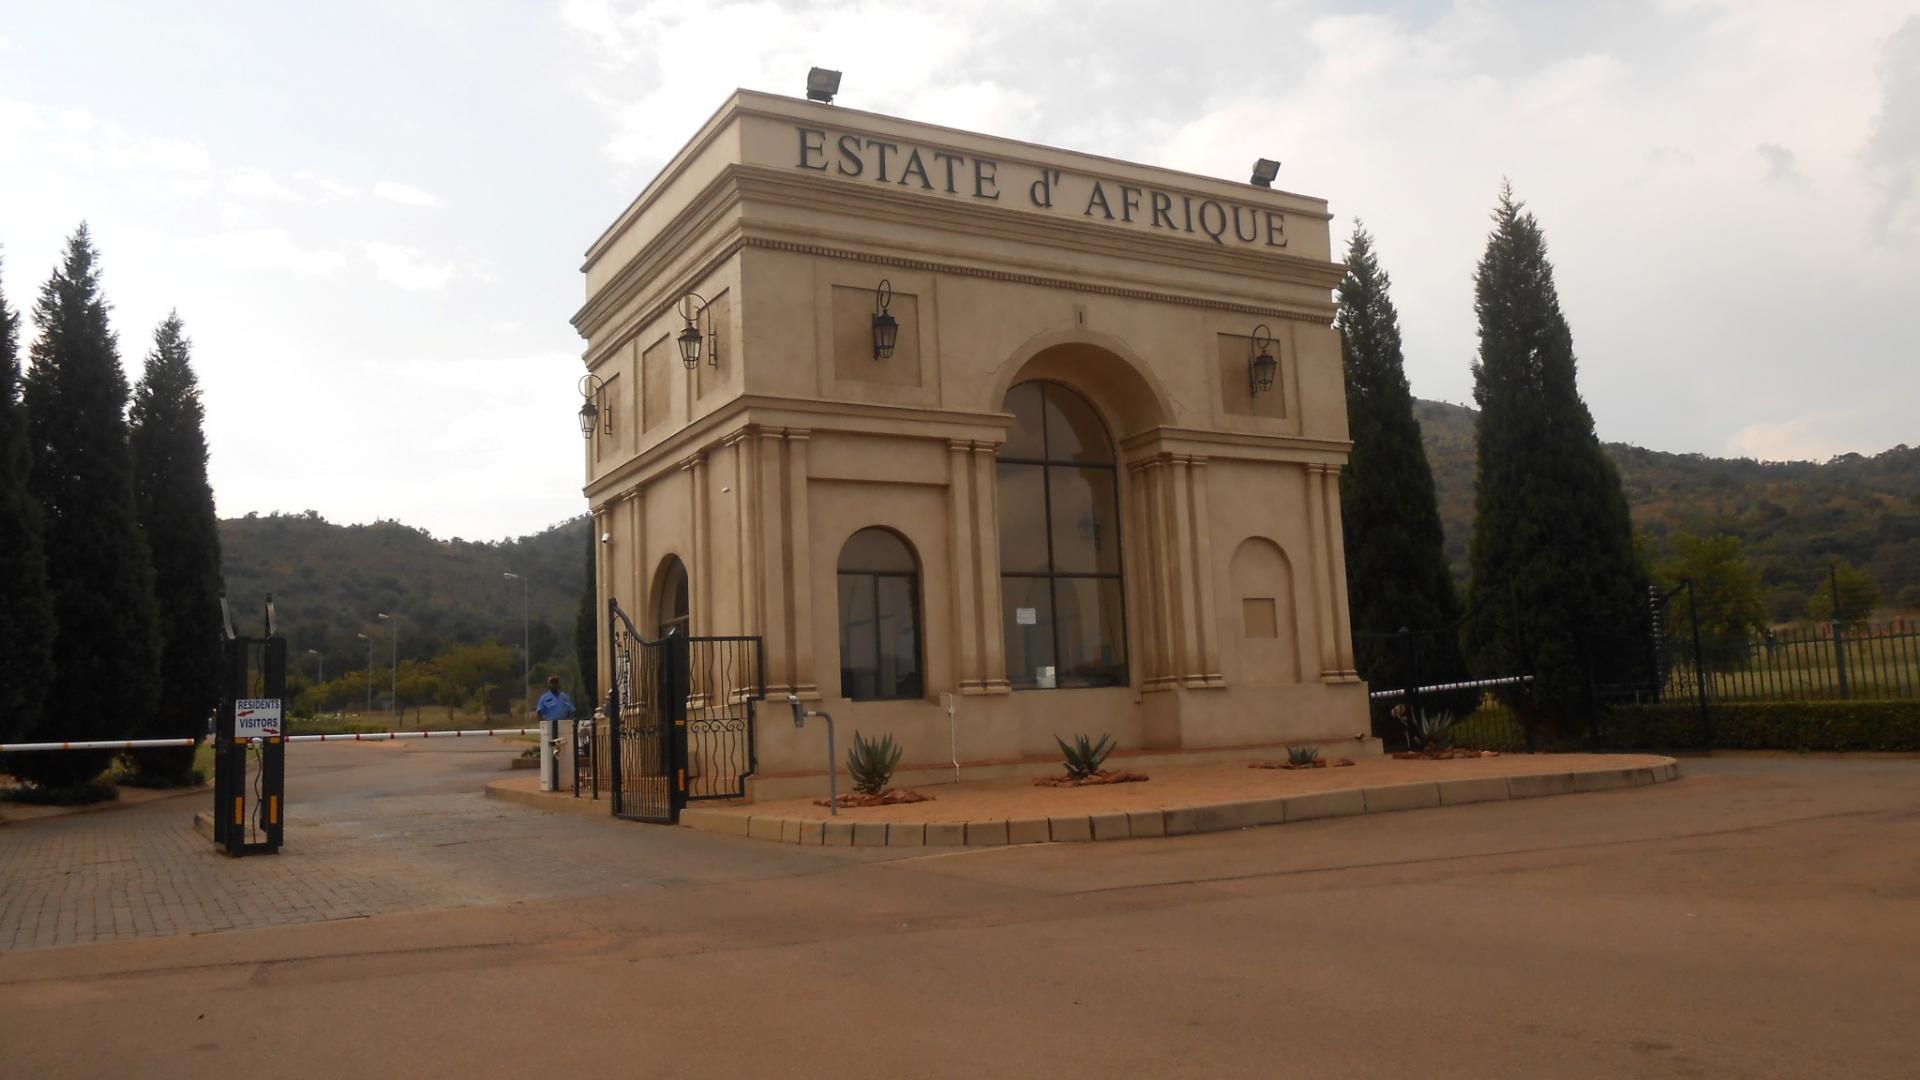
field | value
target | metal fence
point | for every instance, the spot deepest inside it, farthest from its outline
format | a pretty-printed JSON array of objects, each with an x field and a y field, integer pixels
[{"x": 1828, "y": 662}]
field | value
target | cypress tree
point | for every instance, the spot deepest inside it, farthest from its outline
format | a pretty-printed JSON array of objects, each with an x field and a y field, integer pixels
[
  {"x": 586, "y": 627},
  {"x": 1397, "y": 572},
  {"x": 175, "y": 506},
  {"x": 106, "y": 647},
  {"x": 26, "y": 615},
  {"x": 1551, "y": 529}
]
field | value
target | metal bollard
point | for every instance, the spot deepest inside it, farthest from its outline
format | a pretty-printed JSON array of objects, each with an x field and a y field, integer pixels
[{"x": 800, "y": 714}]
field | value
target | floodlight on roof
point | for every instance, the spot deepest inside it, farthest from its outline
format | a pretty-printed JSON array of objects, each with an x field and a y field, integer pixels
[
  {"x": 1264, "y": 171},
  {"x": 822, "y": 84}
]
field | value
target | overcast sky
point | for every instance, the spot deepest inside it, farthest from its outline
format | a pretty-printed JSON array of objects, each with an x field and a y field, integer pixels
[{"x": 371, "y": 215}]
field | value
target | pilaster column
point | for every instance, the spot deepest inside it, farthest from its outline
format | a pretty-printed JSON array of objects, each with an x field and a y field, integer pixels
[
  {"x": 747, "y": 573},
  {"x": 986, "y": 532},
  {"x": 963, "y": 564},
  {"x": 1144, "y": 612},
  {"x": 1337, "y": 549},
  {"x": 1162, "y": 583},
  {"x": 770, "y": 566},
  {"x": 1180, "y": 566},
  {"x": 1202, "y": 515},
  {"x": 799, "y": 567},
  {"x": 633, "y": 506},
  {"x": 699, "y": 604},
  {"x": 1322, "y": 570}
]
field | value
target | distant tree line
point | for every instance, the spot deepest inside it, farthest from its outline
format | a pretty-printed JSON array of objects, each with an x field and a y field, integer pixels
[{"x": 110, "y": 560}]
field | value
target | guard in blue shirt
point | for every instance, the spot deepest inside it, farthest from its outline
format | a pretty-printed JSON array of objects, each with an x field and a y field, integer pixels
[{"x": 553, "y": 707}]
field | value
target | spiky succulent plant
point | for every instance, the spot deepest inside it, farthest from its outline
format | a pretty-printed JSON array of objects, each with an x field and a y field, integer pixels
[
  {"x": 1084, "y": 758},
  {"x": 871, "y": 763},
  {"x": 1433, "y": 729},
  {"x": 1302, "y": 755}
]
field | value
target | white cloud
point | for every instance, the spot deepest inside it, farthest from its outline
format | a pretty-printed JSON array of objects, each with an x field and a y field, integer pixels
[
  {"x": 260, "y": 184},
  {"x": 1814, "y": 437},
  {"x": 405, "y": 194},
  {"x": 418, "y": 271},
  {"x": 270, "y": 249}
]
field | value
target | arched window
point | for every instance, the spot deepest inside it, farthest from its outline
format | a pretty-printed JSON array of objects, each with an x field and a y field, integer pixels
[
  {"x": 670, "y": 598},
  {"x": 879, "y": 617},
  {"x": 1064, "y": 618}
]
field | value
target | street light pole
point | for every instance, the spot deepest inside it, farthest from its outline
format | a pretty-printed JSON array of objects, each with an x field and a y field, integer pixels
[
  {"x": 393, "y": 642},
  {"x": 319, "y": 665},
  {"x": 526, "y": 648},
  {"x": 368, "y": 638}
]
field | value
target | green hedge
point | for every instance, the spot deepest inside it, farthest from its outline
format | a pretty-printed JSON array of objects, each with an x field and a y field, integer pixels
[{"x": 1774, "y": 725}]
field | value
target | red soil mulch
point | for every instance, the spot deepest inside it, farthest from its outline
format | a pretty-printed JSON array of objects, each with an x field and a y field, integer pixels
[
  {"x": 889, "y": 797},
  {"x": 1317, "y": 763},
  {"x": 1442, "y": 755},
  {"x": 1101, "y": 777}
]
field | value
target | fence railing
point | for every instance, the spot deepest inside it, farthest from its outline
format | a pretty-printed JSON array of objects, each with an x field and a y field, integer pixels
[{"x": 1828, "y": 662}]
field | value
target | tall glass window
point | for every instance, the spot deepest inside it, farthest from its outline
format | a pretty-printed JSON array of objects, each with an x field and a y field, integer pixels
[
  {"x": 1060, "y": 596},
  {"x": 879, "y": 617}
]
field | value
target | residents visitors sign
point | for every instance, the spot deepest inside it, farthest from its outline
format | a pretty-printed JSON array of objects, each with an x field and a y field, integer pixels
[
  {"x": 256, "y": 718},
  {"x": 902, "y": 164}
]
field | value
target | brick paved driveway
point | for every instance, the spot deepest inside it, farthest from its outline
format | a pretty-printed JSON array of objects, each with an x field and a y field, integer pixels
[{"x": 371, "y": 829}]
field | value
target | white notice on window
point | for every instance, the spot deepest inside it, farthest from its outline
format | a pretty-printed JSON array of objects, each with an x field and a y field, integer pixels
[{"x": 1026, "y": 616}]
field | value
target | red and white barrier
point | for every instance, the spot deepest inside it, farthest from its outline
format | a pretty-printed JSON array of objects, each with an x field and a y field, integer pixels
[
  {"x": 367, "y": 736},
  {"x": 383, "y": 736},
  {"x": 123, "y": 744},
  {"x": 1441, "y": 688}
]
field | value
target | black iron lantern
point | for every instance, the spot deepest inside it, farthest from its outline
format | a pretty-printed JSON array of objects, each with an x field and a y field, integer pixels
[
  {"x": 886, "y": 328},
  {"x": 593, "y": 390},
  {"x": 1261, "y": 364},
  {"x": 694, "y": 307}
]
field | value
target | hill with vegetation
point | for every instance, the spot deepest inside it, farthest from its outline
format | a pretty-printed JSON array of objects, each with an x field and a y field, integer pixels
[
  {"x": 1793, "y": 518},
  {"x": 329, "y": 581}
]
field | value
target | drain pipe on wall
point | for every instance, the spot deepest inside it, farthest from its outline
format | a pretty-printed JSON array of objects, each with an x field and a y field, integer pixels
[
  {"x": 800, "y": 714},
  {"x": 953, "y": 735}
]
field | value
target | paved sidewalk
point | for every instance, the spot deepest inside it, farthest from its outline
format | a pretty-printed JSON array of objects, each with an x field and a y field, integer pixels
[{"x": 371, "y": 829}]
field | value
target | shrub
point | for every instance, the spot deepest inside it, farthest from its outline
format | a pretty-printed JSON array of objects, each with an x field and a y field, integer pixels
[
  {"x": 64, "y": 794},
  {"x": 871, "y": 763},
  {"x": 1084, "y": 758},
  {"x": 1302, "y": 755},
  {"x": 1772, "y": 725}
]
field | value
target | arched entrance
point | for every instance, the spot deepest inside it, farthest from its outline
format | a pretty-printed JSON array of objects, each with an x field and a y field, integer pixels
[
  {"x": 1062, "y": 604},
  {"x": 670, "y": 608}
]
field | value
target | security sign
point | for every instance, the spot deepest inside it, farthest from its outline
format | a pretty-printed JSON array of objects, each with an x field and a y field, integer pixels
[{"x": 255, "y": 718}]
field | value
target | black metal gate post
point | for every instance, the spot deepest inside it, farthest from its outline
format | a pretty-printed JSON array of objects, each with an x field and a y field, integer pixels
[
  {"x": 675, "y": 685},
  {"x": 1699, "y": 670}
]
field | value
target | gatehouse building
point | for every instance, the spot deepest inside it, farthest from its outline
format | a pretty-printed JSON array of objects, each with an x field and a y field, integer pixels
[{"x": 950, "y": 420}]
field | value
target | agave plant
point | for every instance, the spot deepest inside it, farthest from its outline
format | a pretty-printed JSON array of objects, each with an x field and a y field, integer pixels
[
  {"x": 1302, "y": 755},
  {"x": 1084, "y": 758},
  {"x": 871, "y": 763},
  {"x": 1433, "y": 729}
]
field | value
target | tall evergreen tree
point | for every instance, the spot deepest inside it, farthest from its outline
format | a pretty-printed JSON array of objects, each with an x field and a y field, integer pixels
[
  {"x": 1551, "y": 528},
  {"x": 175, "y": 505},
  {"x": 586, "y": 628},
  {"x": 1397, "y": 572},
  {"x": 26, "y": 615},
  {"x": 106, "y": 645}
]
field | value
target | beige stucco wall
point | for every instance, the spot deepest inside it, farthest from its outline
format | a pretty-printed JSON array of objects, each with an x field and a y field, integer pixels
[{"x": 754, "y": 471}]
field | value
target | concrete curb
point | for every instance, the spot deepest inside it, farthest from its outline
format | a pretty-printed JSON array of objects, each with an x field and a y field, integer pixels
[{"x": 1176, "y": 821}]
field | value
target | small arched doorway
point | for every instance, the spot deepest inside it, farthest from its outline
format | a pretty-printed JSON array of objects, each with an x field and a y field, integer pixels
[{"x": 670, "y": 610}]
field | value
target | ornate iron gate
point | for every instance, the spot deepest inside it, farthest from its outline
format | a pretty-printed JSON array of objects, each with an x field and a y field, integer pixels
[{"x": 678, "y": 725}]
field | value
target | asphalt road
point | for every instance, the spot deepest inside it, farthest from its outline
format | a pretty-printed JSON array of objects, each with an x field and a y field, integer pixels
[{"x": 1761, "y": 917}]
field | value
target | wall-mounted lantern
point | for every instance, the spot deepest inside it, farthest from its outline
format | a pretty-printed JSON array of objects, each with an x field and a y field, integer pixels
[
  {"x": 693, "y": 307},
  {"x": 886, "y": 328},
  {"x": 593, "y": 411},
  {"x": 1260, "y": 361}
]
